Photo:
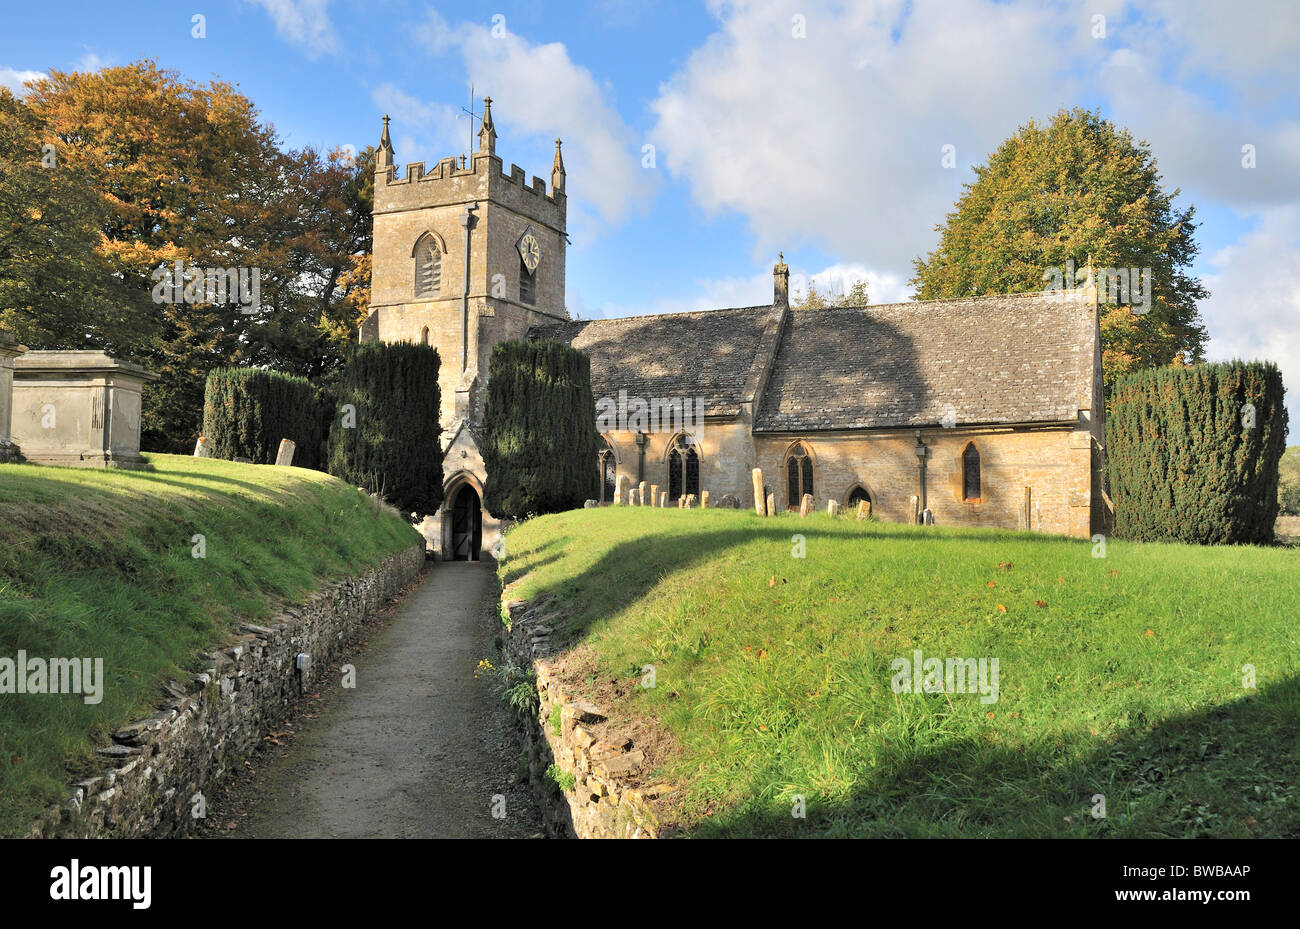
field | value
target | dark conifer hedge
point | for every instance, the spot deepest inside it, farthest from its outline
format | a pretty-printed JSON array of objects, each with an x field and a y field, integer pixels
[
  {"x": 1193, "y": 453},
  {"x": 540, "y": 442},
  {"x": 384, "y": 434},
  {"x": 247, "y": 411}
]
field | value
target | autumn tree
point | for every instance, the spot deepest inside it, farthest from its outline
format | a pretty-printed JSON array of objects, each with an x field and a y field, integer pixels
[
  {"x": 1075, "y": 188},
  {"x": 188, "y": 172}
]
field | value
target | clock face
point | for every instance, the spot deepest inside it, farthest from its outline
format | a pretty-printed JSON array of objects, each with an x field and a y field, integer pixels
[{"x": 530, "y": 250}]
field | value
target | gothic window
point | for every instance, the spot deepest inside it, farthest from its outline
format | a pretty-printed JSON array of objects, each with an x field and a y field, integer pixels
[
  {"x": 970, "y": 474},
  {"x": 527, "y": 284},
  {"x": 608, "y": 471},
  {"x": 857, "y": 496},
  {"x": 683, "y": 468},
  {"x": 799, "y": 475},
  {"x": 428, "y": 267}
]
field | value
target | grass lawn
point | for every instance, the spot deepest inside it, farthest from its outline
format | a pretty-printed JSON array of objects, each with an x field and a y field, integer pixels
[
  {"x": 101, "y": 564},
  {"x": 1119, "y": 675}
]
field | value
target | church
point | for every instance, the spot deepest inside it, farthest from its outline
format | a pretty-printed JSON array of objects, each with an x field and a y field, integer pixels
[{"x": 980, "y": 411}]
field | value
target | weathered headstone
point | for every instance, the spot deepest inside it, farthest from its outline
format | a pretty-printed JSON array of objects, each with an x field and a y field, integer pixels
[
  {"x": 654, "y": 495},
  {"x": 9, "y": 350},
  {"x": 864, "y": 509},
  {"x": 729, "y": 502},
  {"x": 284, "y": 457},
  {"x": 806, "y": 505},
  {"x": 590, "y": 504},
  {"x": 663, "y": 499},
  {"x": 620, "y": 490},
  {"x": 833, "y": 508},
  {"x": 704, "y": 499},
  {"x": 203, "y": 447},
  {"x": 634, "y": 497},
  {"x": 760, "y": 500},
  {"x": 927, "y": 518},
  {"x": 690, "y": 501},
  {"x": 916, "y": 511},
  {"x": 641, "y": 490},
  {"x": 681, "y": 501},
  {"x": 771, "y": 504}
]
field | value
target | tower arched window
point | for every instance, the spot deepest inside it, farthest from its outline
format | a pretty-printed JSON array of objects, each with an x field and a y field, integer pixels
[
  {"x": 970, "y": 474},
  {"x": 428, "y": 267},
  {"x": 608, "y": 471},
  {"x": 683, "y": 468},
  {"x": 798, "y": 474}
]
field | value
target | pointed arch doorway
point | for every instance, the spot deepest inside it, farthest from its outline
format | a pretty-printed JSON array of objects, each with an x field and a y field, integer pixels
[{"x": 466, "y": 524}]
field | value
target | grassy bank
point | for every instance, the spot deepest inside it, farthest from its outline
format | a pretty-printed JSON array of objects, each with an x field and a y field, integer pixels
[
  {"x": 1121, "y": 676},
  {"x": 101, "y": 564}
]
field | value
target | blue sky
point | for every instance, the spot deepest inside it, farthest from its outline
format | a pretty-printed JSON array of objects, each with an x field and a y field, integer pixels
[{"x": 812, "y": 128}]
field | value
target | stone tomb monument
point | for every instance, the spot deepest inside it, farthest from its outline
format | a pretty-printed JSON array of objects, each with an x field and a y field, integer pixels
[{"x": 80, "y": 409}]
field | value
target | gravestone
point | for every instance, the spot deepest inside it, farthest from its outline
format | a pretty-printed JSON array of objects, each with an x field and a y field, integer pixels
[
  {"x": 654, "y": 495},
  {"x": 590, "y": 504},
  {"x": 771, "y": 504},
  {"x": 78, "y": 409},
  {"x": 634, "y": 497},
  {"x": 203, "y": 447},
  {"x": 620, "y": 490},
  {"x": 663, "y": 499},
  {"x": 9, "y": 350},
  {"x": 760, "y": 500},
  {"x": 704, "y": 499},
  {"x": 806, "y": 505},
  {"x": 833, "y": 508},
  {"x": 864, "y": 509},
  {"x": 284, "y": 457},
  {"x": 641, "y": 490}
]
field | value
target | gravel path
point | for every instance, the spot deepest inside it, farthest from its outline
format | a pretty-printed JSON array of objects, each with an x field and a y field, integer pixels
[{"x": 418, "y": 749}]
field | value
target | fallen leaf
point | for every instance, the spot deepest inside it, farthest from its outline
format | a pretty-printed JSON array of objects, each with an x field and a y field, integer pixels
[
  {"x": 772, "y": 582},
  {"x": 1060, "y": 580},
  {"x": 1041, "y": 604},
  {"x": 1001, "y": 608},
  {"x": 989, "y": 714},
  {"x": 1251, "y": 822},
  {"x": 992, "y": 584},
  {"x": 1149, "y": 632}
]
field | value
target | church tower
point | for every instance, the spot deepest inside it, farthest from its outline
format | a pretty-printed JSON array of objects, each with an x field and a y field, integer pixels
[{"x": 465, "y": 256}]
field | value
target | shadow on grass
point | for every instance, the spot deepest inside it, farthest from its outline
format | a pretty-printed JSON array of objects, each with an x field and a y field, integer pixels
[
  {"x": 609, "y": 586},
  {"x": 1231, "y": 770}
]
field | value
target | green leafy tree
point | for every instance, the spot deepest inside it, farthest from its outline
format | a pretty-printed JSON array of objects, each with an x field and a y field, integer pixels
[
  {"x": 1075, "y": 188},
  {"x": 56, "y": 289},
  {"x": 540, "y": 443}
]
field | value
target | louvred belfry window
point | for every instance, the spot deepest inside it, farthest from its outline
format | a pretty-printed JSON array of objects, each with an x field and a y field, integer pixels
[{"x": 428, "y": 268}]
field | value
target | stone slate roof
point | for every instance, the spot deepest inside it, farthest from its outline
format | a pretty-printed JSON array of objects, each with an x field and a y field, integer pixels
[
  {"x": 1020, "y": 358},
  {"x": 717, "y": 355}
]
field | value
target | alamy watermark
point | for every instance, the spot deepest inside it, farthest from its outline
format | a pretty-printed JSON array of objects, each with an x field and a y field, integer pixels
[
  {"x": 950, "y": 676},
  {"x": 23, "y": 675},
  {"x": 180, "y": 283},
  {"x": 1118, "y": 286},
  {"x": 653, "y": 414}
]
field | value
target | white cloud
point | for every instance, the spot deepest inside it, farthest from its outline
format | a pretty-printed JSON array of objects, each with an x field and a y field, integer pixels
[
  {"x": 539, "y": 92},
  {"x": 91, "y": 62},
  {"x": 1254, "y": 308},
  {"x": 14, "y": 79},
  {"x": 835, "y": 139},
  {"x": 303, "y": 22}
]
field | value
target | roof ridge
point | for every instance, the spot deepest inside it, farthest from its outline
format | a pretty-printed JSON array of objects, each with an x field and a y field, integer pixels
[
  {"x": 1023, "y": 295},
  {"x": 614, "y": 319}
]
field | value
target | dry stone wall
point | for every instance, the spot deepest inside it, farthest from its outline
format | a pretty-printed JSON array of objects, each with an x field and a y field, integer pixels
[
  {"x": 603, "y": 801},
  {"x": 155, "y": 768}
]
